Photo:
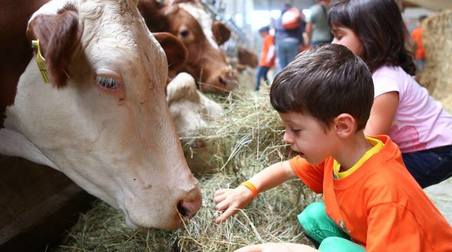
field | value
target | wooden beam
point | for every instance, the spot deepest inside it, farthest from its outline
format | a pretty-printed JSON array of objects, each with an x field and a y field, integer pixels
[{"x": 430, "y": 4}]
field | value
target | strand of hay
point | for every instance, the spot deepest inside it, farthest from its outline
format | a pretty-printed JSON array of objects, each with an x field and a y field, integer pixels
[
  {"x": 248, "y": 139},
  {"x": 437, "y": 39}
]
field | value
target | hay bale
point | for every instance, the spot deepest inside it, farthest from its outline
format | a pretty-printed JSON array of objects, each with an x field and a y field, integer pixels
[
  {"x": 246, "y": 140},
  {"x": 447, "y": 103},
  {"x": 437, "y": 38}
]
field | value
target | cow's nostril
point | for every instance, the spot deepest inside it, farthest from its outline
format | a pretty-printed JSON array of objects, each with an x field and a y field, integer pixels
[
  {"x": 182, "y": 210},
  {"x": 188, "y": 208},
  {"x": 222, "y": 81}
]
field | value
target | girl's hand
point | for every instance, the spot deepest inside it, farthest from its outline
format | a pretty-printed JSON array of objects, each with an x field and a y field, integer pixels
[
  {"x": 229, "y": 201},
  {"x": 277, "y": 247}
]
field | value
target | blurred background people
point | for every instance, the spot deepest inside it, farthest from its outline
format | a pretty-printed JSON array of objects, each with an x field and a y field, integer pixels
[
  {"x": 317, "y": 28},
  {"x": 267, "y": 56},
  {"x": 289, "y": 28},
  {"x": 419, "y": 51}
]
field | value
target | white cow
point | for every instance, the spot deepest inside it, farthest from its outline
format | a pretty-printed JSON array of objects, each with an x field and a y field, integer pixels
[
  {"x": 193, "y": 111},
  {"x": 103, "y": 120},
  {"x": 190, "y": 109}
]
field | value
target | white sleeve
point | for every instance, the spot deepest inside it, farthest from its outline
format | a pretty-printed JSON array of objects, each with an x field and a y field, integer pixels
[{"x": 384, "y": 84}]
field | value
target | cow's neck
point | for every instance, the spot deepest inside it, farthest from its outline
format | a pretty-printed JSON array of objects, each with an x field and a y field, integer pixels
[
  {"x": 9, "y": 77},
  {"x": 12, "y": 141},
  {"x": 15, "y": 144}
]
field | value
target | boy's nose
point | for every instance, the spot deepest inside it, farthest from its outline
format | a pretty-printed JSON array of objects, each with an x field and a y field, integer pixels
[{"x": 286, "y": 138}]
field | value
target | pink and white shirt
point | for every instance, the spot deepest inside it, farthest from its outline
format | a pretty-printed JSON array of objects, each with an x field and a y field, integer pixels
[{"x": 420, "y": 122}]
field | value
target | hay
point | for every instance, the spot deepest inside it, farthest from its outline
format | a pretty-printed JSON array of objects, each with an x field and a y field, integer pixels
[
  {"x": 447, "y": 103},
  {"x": 437, "y": 40},
  {"x": 248, "y": 139}
]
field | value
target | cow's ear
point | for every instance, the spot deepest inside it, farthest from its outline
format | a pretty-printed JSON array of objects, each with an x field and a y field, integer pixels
[
  {"x": 153, "y": 14},
  {"x": 220, "y": 32},
  {"x": 170, "y": 9},
  {"x": 58, "y": 36},
  {"x": 176, "y": 52}
]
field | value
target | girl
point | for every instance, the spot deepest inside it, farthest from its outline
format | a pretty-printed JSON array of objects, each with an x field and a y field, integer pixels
[{"x": 374, "y": 30}]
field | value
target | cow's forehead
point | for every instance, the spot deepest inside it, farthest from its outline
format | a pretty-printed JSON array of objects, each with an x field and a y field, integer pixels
[
  {"x": 112, "y": 36},
  {"x": 203, "y": 18}
]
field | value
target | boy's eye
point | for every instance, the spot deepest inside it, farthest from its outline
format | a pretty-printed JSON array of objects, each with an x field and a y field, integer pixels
[{"x": 295, "y": 130}]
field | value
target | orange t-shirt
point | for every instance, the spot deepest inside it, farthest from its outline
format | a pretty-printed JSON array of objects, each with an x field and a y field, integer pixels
[
  {"x": 268, "y": 52},
  {"x": 416, "y": 35},
  {"x": 379, "y": 205}
]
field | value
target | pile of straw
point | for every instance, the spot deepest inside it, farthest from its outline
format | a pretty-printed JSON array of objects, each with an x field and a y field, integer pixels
[
  {"x": 248, "y": 139},
  {"x": 437, "y": 39}
]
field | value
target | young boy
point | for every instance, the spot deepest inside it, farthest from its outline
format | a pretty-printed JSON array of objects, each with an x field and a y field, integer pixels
[
  {"x": 267, "y": 57},
  {"x": 371, "y": 202}
]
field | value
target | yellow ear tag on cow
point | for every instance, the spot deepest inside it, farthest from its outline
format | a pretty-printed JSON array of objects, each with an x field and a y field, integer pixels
[{"x": 40, "y": 60}]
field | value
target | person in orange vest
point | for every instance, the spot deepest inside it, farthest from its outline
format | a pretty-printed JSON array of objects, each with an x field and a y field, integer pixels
[
  {"x": 267, "y": 57},
  {"x": 419, "y": 51}
]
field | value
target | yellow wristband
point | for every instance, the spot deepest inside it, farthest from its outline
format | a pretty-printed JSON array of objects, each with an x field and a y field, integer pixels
[{"x": 251, "y": 187}]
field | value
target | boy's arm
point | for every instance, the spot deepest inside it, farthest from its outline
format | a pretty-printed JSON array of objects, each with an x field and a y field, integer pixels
[
  {"x": 231, "y": 200},
  {"x": 272, "y": 176},
  {"x": 392, "y": 227}
]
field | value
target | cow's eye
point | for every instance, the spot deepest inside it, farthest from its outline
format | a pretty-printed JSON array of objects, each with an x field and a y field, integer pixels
[
  {"x": 107, "y": 82},
  {"x": 184, "y": 33}
]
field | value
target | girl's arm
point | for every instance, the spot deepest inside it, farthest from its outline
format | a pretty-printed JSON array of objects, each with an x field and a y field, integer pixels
[
  {"x": 231, "y": 200},
  {"x": 382, "y": 114}
]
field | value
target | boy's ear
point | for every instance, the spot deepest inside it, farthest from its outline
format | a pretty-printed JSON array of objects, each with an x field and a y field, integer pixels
[{"x": 344, "y": 125}]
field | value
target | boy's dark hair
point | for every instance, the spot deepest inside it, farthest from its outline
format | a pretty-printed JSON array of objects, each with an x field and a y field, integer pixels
[
  {"x": 264, "y": 29},
  {"x": 325, "y": 82},
  {"x": 422, "y": 17},
  {"x": 380, "y": 28}
]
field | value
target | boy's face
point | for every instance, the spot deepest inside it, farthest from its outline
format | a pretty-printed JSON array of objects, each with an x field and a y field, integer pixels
[
  {"x": 346, "y": 37},
  {"x": 307, "y": 136}
]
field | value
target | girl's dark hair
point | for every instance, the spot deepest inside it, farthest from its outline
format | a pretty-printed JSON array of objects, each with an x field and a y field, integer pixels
[{"x": 380, "y": 28}]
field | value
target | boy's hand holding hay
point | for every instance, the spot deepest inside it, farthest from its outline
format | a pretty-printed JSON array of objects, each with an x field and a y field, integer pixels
[{"x": 229, "y": 201}]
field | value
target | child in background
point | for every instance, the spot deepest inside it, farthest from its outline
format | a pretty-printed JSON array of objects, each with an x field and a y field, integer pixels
[
  {"x": 372, "y": 203},
  {"x": 419, "y": 50},
  {"x": 375, "y": 31},
  {"x": 267, "y": 59}
]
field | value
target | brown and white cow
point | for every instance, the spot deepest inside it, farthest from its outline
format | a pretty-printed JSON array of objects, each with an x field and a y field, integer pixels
[
  {"x": 247, "y": 57},
  {"x": 103, "y": 119},
  {"x": 202, "y": 36}
]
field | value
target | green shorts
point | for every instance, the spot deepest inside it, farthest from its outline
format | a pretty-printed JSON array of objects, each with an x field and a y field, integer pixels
[{"x": 318, "y": 226}]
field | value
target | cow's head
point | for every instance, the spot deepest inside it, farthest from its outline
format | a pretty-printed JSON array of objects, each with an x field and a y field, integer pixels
[
  {"x": 190, "y": 109},
  {"x": 103, "y": 120},
  {"x": 200, "y": 34}
]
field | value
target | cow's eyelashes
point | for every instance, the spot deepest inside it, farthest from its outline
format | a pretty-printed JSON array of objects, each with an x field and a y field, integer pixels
[{"x": 107, "y": 82}]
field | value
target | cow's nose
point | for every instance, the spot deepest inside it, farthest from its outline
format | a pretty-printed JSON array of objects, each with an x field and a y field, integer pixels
[
  {"x": 190, "y": 205},
  {"x": 228, "y": 79}
]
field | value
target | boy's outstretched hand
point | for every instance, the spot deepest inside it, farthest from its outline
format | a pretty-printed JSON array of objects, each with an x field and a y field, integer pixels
[{"x": 229, "y": 201}]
